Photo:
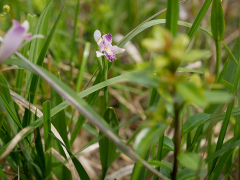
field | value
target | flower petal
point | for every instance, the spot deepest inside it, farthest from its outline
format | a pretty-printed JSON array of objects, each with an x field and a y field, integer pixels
[
  {"x": 101, "y": 46},
  {"x": 99, "y": 54},
  {"x": 110, "y": 54},
  {"x": 28, "y": 36},
  {"x": 107, "y": 40},
  {"x": 117, "y": 49},
  {"x": 12, "y": 41},
  {"x": 15, "y": 22},
  {"x": 25, "y": 25},
  {"x": 97, "y": 35}
]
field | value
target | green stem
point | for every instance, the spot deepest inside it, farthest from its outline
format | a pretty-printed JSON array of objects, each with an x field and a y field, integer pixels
[
  {"x": 177, "y": 141},
  {"x": 105, "y": 90},
  {"x": 218, "y": 60}
]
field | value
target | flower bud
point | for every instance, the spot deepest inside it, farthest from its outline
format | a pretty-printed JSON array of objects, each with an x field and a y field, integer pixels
[{"x": 6, "y": 8}]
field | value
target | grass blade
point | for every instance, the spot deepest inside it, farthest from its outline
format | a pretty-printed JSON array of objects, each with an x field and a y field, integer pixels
[
  {"x": 87, "y": 111},
  {"x": 39, "y": 148},
  {"x": 47, "y": 137},
  {"x": 74, "y": 37},
  {"x": 172, "y": 16},
  {"x": 107, "y": 148},
  {"x": 199, "y": 19},
  {"x": 83, "y": 64}
]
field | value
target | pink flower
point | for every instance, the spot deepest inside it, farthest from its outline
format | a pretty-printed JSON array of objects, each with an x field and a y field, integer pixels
[
  {"x": 105, "y": 46},
  {"x": 13, "y": 39}
]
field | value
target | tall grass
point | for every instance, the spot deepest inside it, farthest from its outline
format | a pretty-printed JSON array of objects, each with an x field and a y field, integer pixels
[{"x": 175, "y": 115}]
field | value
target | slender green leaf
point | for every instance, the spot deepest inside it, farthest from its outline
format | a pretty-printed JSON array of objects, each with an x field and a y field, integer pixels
[
  {"x": 219, "y": 167},
  {"x": 47, "y": 137},
  {"x": 199, "y": 19},
  {"x": 217, "y": 20},
  {"x": 195, "y": 121},
  {"x": 160, "y": 163},
  {"x": 191, "y": 161},
  {"x": 192, "y": 93},
  {"x": 107, "y": 148},
  {"x": 172, "y": 16},
  {"x": 83, "y": 64},
  {"x": 223, "y": 150}
]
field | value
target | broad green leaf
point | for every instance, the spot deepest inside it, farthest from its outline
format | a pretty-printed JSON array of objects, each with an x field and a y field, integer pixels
[
  {"x": 152, "y": 44},
  {"x": 188, "y": 174},
  {"x": 195, "y": 55},
  {"x": 191, "y": 93},
  {"x": 168, "y": 144},
  {"x": 194, "y": 121},
  {"x": 144, "y": 78},
  {"x": 107, "y": 148},
  {"x": 217, "y": 20},
  {"x": 218, "y": 97},
  {"x": 189, "y": 70},
  {"x": 192, "y": 161},
  {"x": 161, "y": 163}
]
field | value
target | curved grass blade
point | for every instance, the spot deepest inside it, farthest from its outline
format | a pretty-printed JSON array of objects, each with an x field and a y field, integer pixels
[
  {"x": 35, "y": 44},
  {"x": 223, "y": 150},
  {"x": 87, "y": 111},
  {"x": 35, "y": 79},
  {"x": 199, "y": 19}
]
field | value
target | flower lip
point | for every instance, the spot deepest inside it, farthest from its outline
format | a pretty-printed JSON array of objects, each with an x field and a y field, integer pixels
[{"x": 105, "y": 46}]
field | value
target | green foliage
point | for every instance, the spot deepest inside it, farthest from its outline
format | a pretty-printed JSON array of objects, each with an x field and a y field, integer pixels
[
  {"x": 107, "y": 149},
  {"x": 191, "y": 161},
  {"x": 164, "y": 82},
  {"x": 217, "y": 20}
]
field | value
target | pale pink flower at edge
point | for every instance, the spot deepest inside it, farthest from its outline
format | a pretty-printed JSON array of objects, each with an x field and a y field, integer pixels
[
  {"x": 13, "y": 39},
  {"x": 105, "y": 45}
]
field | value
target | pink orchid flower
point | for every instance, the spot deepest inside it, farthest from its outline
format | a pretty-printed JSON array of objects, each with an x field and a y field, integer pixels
[
  {"x": 13, "y": 39},
  {"x": 105, "y": 46}
]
